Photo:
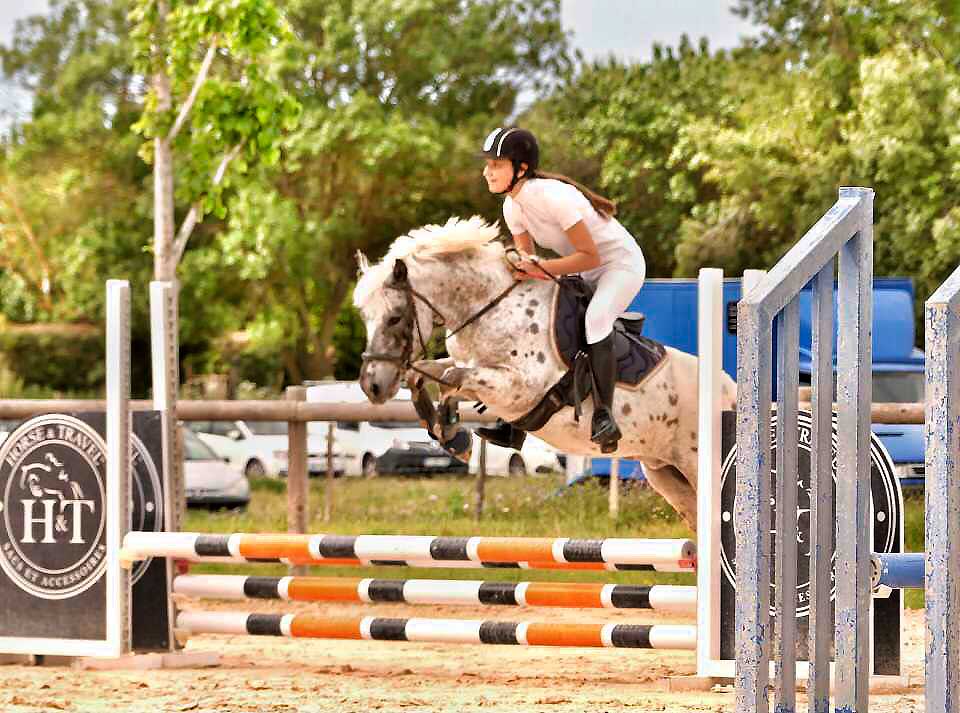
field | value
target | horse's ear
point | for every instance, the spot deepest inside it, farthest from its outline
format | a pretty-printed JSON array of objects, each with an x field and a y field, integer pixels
[
  {"x": 399, "y": 271},
  {"x": 362, "y": 262}
]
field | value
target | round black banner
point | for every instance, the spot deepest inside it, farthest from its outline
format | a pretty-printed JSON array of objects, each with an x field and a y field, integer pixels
[
  {"x": 885, "y": 492},
  {"x": 53, "y": 507},
  {"x": 53, "y": 471}
]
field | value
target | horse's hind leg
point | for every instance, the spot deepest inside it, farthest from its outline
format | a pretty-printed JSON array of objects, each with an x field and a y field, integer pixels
[{"x": 673, "y": 486}]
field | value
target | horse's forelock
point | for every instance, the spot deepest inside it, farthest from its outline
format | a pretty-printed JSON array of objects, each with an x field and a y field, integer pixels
[{"x": 422, "y": 246}]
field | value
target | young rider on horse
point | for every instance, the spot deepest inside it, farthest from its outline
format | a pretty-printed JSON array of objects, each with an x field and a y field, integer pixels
[{"x": 555, "y": 212}]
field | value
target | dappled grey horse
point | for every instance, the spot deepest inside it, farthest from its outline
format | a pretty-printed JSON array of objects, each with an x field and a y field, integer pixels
[{"x": 506, "y": 356}]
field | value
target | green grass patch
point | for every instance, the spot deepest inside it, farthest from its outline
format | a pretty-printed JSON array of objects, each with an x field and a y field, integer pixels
[{"x": 446, "y": 505}]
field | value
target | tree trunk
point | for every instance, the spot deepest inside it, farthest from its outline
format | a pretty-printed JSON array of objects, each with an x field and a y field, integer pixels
[
  {"x": 318, "y": 357},
  {"x": 163, "y": 228}
]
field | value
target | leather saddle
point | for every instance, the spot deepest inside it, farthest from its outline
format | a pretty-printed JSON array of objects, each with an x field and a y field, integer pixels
[{"x": 637, "y": 355}]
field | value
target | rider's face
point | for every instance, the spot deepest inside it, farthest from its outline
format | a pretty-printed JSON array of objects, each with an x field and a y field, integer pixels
[{"x": 498, "y": 172}]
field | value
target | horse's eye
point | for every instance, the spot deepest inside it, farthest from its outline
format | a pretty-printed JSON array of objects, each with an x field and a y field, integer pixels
[{"x": 394, "y": 320}]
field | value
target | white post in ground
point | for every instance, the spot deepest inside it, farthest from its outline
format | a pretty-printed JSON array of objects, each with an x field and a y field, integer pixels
[
  {"x": 710, "y": 359},
  {"x": 614, "y": 496},
  {"x": 118, "y": 464},
  {"x": 710, "y": 326}
]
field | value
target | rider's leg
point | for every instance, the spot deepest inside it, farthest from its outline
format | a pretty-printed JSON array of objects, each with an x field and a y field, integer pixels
[{"x": 614, "y": 292}]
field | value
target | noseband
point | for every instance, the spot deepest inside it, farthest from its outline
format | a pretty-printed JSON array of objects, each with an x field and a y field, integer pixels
[{"x": 404, "y": 361}]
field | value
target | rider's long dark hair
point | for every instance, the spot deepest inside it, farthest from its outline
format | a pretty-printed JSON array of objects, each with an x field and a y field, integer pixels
[{"x": 604, "y": 206}]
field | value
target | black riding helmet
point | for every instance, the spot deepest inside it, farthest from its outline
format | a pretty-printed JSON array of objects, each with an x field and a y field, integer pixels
[{"x": 518, "y": 145}]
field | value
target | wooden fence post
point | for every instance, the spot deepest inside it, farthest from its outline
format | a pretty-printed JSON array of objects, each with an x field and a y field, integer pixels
[
  {"x": 328, "y": 491},
  {"x": 297, "y": 472},
  {"x": 481, "y": 479},
  {"x": 614, "y": 501}
]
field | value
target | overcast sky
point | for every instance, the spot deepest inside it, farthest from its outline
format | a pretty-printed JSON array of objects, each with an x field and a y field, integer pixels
[{"x": 624, "y": 28}]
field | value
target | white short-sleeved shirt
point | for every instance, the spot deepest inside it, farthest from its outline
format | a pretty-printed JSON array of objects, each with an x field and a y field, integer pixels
[{"x": 546, "y": 208}]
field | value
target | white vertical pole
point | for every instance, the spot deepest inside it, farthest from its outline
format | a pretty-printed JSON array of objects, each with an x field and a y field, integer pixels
[
  {"x": 614, "y": 494},
  {"x": 710, "y": 364},
  {"x": 118, "y": 462}
]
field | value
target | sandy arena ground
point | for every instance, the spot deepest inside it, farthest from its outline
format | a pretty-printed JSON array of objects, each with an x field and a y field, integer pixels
[{"x": 276, "y": 675}]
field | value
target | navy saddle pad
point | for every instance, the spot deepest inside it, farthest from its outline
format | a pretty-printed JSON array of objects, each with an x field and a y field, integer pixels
[{"x": 637, "y": 355}]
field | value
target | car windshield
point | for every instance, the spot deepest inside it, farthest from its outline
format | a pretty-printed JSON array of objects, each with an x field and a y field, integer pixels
[
  {"x": 268, "y": 428},
  {"x": 901, "y": 387},
  {"x": 195, "y": 449}
]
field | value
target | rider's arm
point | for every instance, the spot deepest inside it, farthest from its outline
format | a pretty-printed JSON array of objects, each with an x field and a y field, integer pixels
[
  {"x": 585, "y": 258},
  {"x": 523, "y": 242}
]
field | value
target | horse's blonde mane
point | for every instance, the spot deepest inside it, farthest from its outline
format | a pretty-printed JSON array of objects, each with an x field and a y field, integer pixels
[{"x": 423, "y": 245}]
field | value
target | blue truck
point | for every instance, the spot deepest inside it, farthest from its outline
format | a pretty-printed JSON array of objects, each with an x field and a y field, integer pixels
[{"x": 670, "y": 307}]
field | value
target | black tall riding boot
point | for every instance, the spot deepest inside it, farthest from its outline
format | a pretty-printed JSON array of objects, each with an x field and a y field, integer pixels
[
  {"x": 503, "y": 434},
  {"x": 604, "y": 430}
]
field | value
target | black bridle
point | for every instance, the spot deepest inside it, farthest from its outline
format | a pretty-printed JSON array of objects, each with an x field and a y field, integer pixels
[{"x": 401, "y": 281}]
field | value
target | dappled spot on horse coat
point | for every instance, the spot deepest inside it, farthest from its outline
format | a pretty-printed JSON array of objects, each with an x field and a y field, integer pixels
[
  {"x": 530, "y": 312},
  {"x": 534, "y": 303},
  {"x": 673, "y": 422},
  {"x": 513, "y": 352},
  {"x": 541, "y": 357},
  {"x": 534, "y": 328},
  {"x": 626, "y": 410},
  {"x": 673, "y": 398}
]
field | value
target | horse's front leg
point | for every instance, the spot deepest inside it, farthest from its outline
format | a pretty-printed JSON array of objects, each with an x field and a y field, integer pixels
[
  {"x": 434, "y": 368},
  {"x": 443, "y": 423},
  {"x": 490, "y": 384}
]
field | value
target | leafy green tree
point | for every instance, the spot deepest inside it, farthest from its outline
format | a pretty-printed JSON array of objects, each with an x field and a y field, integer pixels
[
  {"x": 625, "y": 126},
  {"x": 213, "y": 101},
  {"x": 395, "y": 98}
]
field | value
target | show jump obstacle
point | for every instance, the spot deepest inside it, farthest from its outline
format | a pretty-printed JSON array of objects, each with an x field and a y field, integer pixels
[
  {"x": 730, "y": 537},
  {"x": 712, "y": 598}
]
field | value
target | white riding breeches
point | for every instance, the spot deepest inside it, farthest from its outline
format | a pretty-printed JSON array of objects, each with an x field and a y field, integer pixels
[{"x": 615, "y": 290}]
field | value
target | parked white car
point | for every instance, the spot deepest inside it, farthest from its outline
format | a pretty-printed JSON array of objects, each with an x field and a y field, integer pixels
[
  {"x": 360, "y": 443},
  {"x": 536, "y": 456},
  {"x": 259, "y": 448},
  {"x": 368, "y": 448},
  {"x": 208, "y": 480}
]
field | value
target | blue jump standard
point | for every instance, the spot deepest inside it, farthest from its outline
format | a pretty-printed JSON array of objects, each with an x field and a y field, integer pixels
[{"x": 898, "y": 570}]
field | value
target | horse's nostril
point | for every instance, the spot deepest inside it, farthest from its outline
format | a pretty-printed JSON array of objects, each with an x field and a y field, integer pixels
[{"x": 375, "y": 388}]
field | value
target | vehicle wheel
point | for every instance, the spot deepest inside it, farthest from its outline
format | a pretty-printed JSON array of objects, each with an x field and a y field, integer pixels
[
  {"x": 516, "y": 467},
  {"x": 255, "y": 469},
  {"x": 369, "y": 466}
]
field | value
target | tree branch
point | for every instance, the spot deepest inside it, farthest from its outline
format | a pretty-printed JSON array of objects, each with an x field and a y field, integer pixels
[
  {"x": 43, "y": 282},
  {"x": 190, "y": 222},
  {"x": 194, "y": 91}
]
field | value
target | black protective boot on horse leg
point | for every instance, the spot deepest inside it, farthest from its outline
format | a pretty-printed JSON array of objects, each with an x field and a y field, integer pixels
[
  {"x": 604, "y": 430},
  {"x": 503, "y": 434}
]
